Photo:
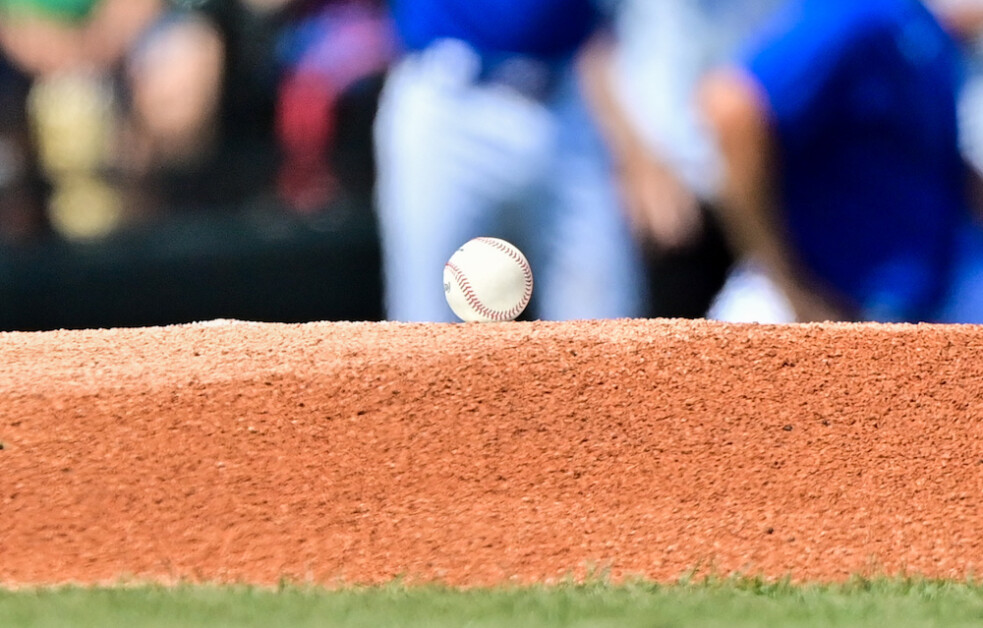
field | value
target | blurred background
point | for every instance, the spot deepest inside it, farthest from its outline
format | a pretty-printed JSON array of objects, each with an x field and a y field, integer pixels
[
  {"x": 175, "y": 161},
  {"x": 165, "y": 162}
]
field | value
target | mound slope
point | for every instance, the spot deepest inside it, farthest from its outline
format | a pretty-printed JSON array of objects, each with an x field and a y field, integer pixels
[{"x": 483, "y": 454}]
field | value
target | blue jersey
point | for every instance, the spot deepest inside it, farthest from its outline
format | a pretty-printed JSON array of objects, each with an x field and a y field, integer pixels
[
  {"x": 862, "y": 95},
  {"x": 541, "y": 28}
]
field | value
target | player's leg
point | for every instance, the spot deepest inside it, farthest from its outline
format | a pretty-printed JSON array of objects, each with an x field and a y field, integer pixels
[
  {"x": 750, "y": 296},
  {"x": 449, "y": 152},
  {"x": 588, "y": 264}
]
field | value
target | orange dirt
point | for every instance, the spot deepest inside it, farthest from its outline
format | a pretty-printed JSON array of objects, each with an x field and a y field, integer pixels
[{"x": 482, "y": 454}]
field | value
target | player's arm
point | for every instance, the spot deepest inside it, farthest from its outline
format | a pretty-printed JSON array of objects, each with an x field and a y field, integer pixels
[
  {"x": 963, "y": 18},
  {"x": 737, "y": 111},
  {"x": 660, "y": 207}
]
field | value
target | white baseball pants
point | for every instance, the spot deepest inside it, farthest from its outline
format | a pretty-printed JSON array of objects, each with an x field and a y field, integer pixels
[{"x": 458, "y": 158}]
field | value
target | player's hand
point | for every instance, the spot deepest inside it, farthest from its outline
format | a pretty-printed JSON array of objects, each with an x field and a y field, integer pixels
[
  {"x": 812, "y": 306},
  {"x": 660, "y": 207}
]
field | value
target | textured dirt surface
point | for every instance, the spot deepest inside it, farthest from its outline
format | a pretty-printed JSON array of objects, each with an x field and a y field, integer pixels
[{"x": 483, "y": 454}]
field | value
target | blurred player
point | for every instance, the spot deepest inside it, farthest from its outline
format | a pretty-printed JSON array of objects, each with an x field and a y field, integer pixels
[
  {"x": 483, "y": 130},
  {"x": 844, "y": 178},
  {"x": 644, "y": 89},
  {"x": 964, "y": 18}
]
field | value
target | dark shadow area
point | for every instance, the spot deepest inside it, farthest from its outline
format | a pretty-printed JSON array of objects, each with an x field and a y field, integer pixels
[{"x": 259, "y": 264}]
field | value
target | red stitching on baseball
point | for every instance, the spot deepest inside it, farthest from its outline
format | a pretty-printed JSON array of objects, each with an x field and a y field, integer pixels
[
  {"x": 472, "y": 298},
  {"x": 526, "y": 273},
  {"x": 475, "y": 302}
]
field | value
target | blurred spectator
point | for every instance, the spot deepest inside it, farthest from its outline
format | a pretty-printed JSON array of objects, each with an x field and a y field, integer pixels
[
  {"x": 200, "y": 84},
  {"x": 142, "y": 106},
  {"x": 644, "y": 89},
  {"x": 238, "y": 101},
  {"x": 843, "y": 173},
  {"x": 329, "y": 50},
  {"x": 22, "y": 216},
  {"x": 174, "y": 77},
  {"x": 68, "y": 48},
  {"x": 47, "y": 37},
  {"x": 483, "y": 131}
]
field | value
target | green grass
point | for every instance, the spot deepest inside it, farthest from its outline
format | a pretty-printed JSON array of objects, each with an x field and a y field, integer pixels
[{"x": 712, "y": 603}]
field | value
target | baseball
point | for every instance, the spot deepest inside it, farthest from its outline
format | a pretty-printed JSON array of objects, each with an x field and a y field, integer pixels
[{"x": 487, "y": 280}]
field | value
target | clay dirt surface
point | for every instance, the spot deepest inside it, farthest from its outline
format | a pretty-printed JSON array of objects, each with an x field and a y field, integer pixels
[{"x": 343, "y": 453}]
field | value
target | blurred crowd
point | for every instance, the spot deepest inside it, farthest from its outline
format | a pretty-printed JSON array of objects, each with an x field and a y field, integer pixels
[
  {"x": 744, "y": 160},
  {"x": 115, "y": 111}
]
